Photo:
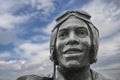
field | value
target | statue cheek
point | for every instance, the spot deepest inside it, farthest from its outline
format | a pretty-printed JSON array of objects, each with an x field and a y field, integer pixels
[
  {"x": 87, "y": 43},
  {"x": 59, "y": 46}
]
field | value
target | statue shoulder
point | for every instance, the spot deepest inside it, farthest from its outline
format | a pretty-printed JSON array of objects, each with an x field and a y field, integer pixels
[{"x": 34, "y": 77}]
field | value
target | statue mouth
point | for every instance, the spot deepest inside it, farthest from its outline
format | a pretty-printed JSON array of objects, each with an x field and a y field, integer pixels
[{"x": 72, "y": 51}]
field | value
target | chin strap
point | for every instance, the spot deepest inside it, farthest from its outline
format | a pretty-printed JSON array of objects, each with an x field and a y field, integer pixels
[{"x": 54, "y": 71}]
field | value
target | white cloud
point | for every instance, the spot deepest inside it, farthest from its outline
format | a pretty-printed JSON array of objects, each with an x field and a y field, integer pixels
[
  {"x": 46, "y": 5},
  {"x": 40, "y": 38},
  {"x": 35, "y": 53},
  {"x": 11, "y": 65},
  {"x": 109, "y": 46},
  {"x": 9, "y": 21},
  {"x": 11, "y": 5},
  {"x": 7, "y": 8},
  {"x": 104, "y": 15}
]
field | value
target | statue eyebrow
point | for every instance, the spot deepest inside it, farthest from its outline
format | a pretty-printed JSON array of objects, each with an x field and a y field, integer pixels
[{"x": 65, "y": 29}]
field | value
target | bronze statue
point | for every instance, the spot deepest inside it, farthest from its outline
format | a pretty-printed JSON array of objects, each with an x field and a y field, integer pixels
[{"x": 73, "y": 48}]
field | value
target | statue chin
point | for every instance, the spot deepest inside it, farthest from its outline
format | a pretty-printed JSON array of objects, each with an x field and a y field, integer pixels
[{"x": 72, "y": 64}]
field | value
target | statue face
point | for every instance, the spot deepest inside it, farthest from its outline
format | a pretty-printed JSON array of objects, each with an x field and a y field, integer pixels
[{"x": 73, "y": 43}]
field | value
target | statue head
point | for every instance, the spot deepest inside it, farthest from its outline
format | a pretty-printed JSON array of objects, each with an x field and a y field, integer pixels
[{"x": 74, "y": 40}]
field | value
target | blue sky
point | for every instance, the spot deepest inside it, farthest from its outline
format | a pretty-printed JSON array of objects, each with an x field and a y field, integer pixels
[{"x": 25, "y": 27}]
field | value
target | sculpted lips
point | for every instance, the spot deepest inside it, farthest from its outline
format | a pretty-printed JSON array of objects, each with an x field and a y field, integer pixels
[
  {"x": 73, "y": 53},
  {"x": 72, "y": 50}
]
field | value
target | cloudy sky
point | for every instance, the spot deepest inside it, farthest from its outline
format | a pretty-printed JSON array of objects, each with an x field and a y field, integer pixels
[{"x": 25, "y": 27}]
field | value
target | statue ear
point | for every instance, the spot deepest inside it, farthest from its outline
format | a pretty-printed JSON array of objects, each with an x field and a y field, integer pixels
[
  {"x": 94, "y": 38},
  {"x": 53, "y": 56},
  {"x": 33, "y": 77},
  {"x": 93, "y": 56},
  {"x": 53, "y": 53}
]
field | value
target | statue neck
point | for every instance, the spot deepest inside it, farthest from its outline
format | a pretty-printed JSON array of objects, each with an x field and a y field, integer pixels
[{"x": 75, "y": 74}]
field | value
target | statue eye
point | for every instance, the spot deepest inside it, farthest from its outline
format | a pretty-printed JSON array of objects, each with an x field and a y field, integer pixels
[
  {"x": 62, "y": 34},
  {"x": 82, "y": 32}
]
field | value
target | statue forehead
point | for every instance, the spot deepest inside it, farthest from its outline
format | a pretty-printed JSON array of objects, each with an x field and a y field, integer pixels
[{"x": 73, "y": 21}]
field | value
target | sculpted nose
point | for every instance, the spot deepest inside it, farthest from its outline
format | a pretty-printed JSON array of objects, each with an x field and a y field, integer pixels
[{"x": 73, "y": 39}]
